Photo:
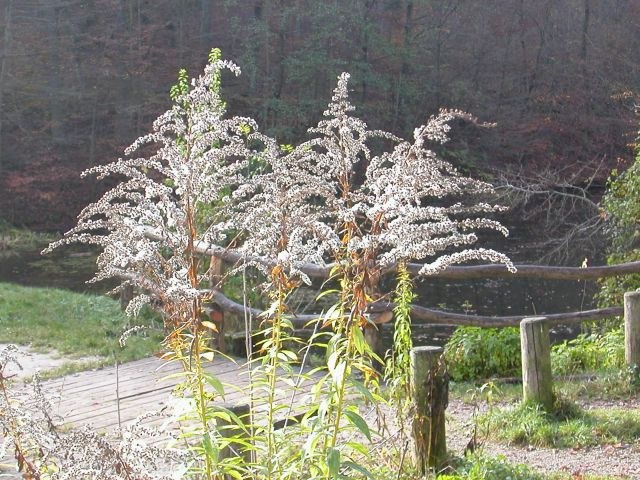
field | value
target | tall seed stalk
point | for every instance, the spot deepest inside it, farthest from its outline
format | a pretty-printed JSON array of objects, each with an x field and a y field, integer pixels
[{"x": 397, "y": 371}]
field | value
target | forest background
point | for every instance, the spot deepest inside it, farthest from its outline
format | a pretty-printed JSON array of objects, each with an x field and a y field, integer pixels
[{"x": 81, "y": 79}]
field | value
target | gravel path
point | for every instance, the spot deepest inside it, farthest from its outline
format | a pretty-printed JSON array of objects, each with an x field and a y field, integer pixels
[{"x": 617, "y": 460}]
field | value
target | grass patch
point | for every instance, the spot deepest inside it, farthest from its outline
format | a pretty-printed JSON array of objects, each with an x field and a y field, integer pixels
[
  {"x": 484, "y": 467},
  {"x": 13, "y": 238},
  {"x": 618, "y": 384},
  {"x": 472, "y": 393},
  {"x": 570, "y": 427},
  {"x": 72, "y": 323}
]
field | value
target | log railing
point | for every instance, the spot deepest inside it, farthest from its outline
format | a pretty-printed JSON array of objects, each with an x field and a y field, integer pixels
[
  {"x": 232, "y": 256},
  {"x": 427, "y": 315}
]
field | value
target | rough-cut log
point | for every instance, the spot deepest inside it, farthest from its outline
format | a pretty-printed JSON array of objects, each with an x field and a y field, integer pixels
[
  {"x": 537, "y": 382},
  {"x": 632, "y": 328},
  {"x": 430, "y": 392},
  {"x": 533, "y": 271},
  {"x": 428, "y": 315},
  {"x": 216, "y": 314},
  {"x": 457, "y": 273}
]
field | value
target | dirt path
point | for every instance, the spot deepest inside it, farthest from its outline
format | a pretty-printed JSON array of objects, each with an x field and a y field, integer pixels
[
  {"x": 32, "y": 361},
  {"x": 617, "y": 460}
]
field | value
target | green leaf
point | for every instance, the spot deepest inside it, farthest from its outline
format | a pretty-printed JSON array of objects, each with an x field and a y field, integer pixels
[
  {"x": 208, "y": 356},
  {"x": 337, "y": 368},
  {"x": 358, "y": 447},
  {"x": 333, "y": 461},
  {"x": 215, "y": 383},
  {"x": 358, "y": 340},
  {"x": 357, "y": 421},
  {"x": 209, "y": 325},
  {"x": 210, "y": 450},
  {"x": 358, "y": 468},
  {"x": 234, "y": 474},
  {"x": 364, "y": 391},
  {"x": 328, "y": 292}
]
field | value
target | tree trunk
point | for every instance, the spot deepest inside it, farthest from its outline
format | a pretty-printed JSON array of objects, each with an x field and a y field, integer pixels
[
  {"x": 3, "y": 69},
  {"x": 55, "y": 80},
  {"x": 404, "y": 68}
]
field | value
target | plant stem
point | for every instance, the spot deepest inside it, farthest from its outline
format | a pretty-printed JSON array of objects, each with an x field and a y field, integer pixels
[
  {"x": 197, "y": 346},
  {"x": 274, "y": 349}
]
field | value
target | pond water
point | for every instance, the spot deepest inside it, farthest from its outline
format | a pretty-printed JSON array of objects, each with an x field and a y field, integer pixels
[{"x": 67, "y": 268}]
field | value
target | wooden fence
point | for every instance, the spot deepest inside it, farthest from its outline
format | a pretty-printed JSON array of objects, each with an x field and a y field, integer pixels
[{"x": 537, "y": 381}]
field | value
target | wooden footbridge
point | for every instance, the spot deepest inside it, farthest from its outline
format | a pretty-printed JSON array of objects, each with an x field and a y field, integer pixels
[{"x": 115, "y": 396}]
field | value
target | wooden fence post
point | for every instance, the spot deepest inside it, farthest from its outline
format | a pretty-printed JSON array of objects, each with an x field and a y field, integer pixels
[
  {"x": 430, "y": 391},
  {"x": 126, "y": 295},
  {"x": 537, "y": 383},
  {"x": 232, "y": 430},
  {"x": 632, "y": 328},
  {"x": 216, "y": 315}
]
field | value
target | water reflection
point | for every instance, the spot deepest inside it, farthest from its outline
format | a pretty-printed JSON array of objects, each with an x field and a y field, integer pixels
[{"x": 66, "y": 268}]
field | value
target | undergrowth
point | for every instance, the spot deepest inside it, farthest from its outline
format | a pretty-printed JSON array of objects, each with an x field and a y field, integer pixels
[
  {"x": 568, "y": 427},
  {"x": 476, "y": 353},
  {"x": 349, "y": 203}
]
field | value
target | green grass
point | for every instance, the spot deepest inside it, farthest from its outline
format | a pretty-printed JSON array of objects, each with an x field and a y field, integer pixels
[
  {"x": 603, "y": 385},
  {"x": 13, "y": 238},
  {"x": 569, "y": 427},
  {"x": 484, "y": 467},
  {"x": 71, "y": 323}
]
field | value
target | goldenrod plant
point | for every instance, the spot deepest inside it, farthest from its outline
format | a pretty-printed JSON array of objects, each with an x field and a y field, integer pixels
[{"x": 351, "y": 202}]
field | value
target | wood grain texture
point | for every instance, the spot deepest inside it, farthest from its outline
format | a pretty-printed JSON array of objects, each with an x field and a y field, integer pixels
[
  {"x": 537, "y": 383},
  {"x": 632, "y": 328},
  {"x": 429, "y": 388}
]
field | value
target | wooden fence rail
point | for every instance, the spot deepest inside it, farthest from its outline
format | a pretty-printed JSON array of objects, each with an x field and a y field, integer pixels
[
  {"x": 455, "y": 272},
  {"x": 427, "y": 315}
]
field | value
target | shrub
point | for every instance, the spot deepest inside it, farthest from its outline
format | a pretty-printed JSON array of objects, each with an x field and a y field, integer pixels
[
  {"x": 589, "y": 352},
  {"x": 476, "y": 353},
  {"x": 621, "y": 205},
  {"x": 197, "y": 195}
]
